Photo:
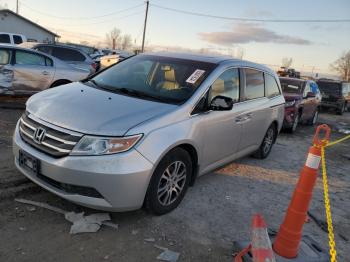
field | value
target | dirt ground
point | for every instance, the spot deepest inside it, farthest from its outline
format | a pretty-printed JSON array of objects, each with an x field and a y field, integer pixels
[{"x": 214, "y": 213}]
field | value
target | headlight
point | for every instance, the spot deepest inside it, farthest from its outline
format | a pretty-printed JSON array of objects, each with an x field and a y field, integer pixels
[
  {"x": 289, "y": 103},
  {"x": 94, "y": 145}
]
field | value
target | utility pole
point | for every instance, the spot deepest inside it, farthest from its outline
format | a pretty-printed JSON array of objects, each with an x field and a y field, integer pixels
[
  {"x": 144, "y": 28},
  {"x": 17, "y": 7}
]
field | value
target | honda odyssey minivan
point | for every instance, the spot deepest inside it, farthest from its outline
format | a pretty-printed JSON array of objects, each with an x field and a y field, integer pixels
[{"x": 139, "y": 133}]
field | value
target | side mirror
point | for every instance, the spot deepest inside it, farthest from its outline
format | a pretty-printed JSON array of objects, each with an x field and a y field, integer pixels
[
  {"x": 310, "y": 95},
  {"x": 221, "y": 103}
]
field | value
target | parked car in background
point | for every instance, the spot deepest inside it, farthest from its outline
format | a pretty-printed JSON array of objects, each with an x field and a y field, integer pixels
[
  {"x": 90, "y": 50},
  {"x": 68, "y": 54},
  {"x": 25, "y": 71},
  {"x": 12, "y": 39},
  {"x": 113, "y": 58},
  {"x": 335, "y": 94},
  {"x": 161, "y": 119},
  {"x": 302, "y": 102}
]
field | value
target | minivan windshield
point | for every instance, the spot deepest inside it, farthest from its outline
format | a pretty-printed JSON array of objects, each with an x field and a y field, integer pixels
[
  {"x": 291, "y": 85},
  {"x": 163, "y": 79}
]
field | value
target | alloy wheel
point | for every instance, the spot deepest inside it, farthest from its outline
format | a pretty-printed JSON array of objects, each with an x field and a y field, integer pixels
[
  {"x": 171, "y": 183},
  {"x": 268, "y": 140}
]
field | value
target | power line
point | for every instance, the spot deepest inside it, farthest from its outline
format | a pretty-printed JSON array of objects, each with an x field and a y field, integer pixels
[
  {"x": 105, "y": 21},
  {"x": 242, "y": 19},
  {"x": 80, "y": 18}
]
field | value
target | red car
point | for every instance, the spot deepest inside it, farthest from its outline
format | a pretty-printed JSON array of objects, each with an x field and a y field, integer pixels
[{"x": 303, "y": 100}]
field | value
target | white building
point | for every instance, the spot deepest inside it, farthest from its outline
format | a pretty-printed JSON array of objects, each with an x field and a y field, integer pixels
[{"x": 10, "y": 22}]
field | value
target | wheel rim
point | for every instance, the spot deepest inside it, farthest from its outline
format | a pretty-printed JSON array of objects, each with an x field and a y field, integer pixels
[
  {"x": 268, "y": 140},
  {"x": 171, "y": 183},
  {"x": 314, "y": 120},
  {"x": 295, "y": 123}
]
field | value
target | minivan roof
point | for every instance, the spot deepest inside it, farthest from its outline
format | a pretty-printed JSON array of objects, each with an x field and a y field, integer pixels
[{"x": 215, "y": 59}]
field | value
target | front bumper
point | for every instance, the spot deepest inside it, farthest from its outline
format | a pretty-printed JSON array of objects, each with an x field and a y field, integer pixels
[{"x": 120, "y": 179}]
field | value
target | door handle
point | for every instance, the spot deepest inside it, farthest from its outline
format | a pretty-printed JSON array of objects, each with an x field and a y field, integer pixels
[{"x": 45, "y": 73}]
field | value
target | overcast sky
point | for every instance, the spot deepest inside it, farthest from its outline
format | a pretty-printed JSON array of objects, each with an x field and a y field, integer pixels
[{"x": 310, "y": 44}]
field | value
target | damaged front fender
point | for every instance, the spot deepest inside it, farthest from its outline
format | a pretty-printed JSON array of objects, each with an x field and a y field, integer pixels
[{"x": 6, "y": 79}]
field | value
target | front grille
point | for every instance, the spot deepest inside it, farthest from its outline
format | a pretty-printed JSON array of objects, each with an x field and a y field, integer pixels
[{"x": 55, "y": 142}]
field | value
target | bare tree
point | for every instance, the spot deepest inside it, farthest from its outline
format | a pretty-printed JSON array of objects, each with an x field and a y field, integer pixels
[
  {"x": 113, "y": 38},
  {"x": 126, "y": 42},
  {"x": 342, "y": 66},
  {"x": 287, "y": 62}
]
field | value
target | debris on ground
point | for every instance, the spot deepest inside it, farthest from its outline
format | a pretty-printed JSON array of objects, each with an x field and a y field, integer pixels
[
  {"x": 86, "y": 224},
  {"x": 167, "y": 255},
  {"x": 81, "y": 223},
  {"x": 344, "y": 131},
  {"x": 150, "y": 239}
]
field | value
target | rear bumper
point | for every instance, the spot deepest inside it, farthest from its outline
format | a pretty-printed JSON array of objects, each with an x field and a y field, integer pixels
[
  {"x": 121, "y": 180},
  {"x": 336, "y": 105}
]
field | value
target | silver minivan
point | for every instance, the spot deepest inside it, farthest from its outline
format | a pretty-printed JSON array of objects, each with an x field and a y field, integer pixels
[{"x": 140, "y": 132}]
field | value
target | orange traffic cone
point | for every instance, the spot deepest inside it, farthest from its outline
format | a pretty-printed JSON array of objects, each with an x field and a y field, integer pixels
[
  {"x": 260, "y": 246},
  {"x": 289, "y": 236}
]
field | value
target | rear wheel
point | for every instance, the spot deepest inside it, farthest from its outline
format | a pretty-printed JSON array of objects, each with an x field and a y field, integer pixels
[
  {"x": 60, "y": 82},
  {"x": 267, "y": 143},
  {"x": 295, "y": 124},
  {"x": 169, "y": 182}
]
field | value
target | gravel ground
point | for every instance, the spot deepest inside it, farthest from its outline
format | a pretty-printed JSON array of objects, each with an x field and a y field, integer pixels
[{"x": 214, "y": 213}]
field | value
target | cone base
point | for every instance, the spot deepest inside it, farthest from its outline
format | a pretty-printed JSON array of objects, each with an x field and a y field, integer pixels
[{"x": 309, "y": 251}]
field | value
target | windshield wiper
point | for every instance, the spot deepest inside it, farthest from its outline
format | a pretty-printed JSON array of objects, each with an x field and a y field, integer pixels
[{"x": 139, "y": 94}]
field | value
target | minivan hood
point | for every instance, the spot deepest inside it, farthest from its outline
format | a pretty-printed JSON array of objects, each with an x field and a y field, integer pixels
[
  {"x": 93, "y": 111},
  {"x": 291, "y": 96}
]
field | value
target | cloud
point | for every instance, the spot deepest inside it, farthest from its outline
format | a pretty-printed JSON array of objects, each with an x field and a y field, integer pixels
[{"x": 247, "y": 32}]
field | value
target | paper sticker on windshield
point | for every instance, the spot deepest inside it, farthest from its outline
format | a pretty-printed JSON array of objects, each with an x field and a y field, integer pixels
[{"x": 195, "y": 76}]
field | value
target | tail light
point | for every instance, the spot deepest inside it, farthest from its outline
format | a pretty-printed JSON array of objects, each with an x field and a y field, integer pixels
[{"x": 94, "y": 66}]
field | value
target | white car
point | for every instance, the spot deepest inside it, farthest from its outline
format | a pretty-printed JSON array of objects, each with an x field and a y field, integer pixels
[
  {"x": 25, "y": 71},
  {"x": 12, "y": 39}
]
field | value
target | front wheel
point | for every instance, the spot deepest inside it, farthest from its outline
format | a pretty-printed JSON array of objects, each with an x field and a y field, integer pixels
[
  {"x": 313, "y": 120},
  {"x": 267, "y": 143},
  {"x": 169, "y": 182}
]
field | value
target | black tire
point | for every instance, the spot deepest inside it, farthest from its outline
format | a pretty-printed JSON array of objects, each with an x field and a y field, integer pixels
[
  {"x": 296, "y": 121},
  {"x": 341, "y": 110},
  {"x": 163, "y": 185},
  {"x": 267, "y": 143},
  {"x": 314, "y": 118},
  {"x": 59, "y": 83}
]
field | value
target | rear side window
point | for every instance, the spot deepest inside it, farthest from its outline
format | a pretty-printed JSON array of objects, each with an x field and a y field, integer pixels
[
  {"x": 4, "y": 56},
  {"x": 67, "y": 54},
  {"x": 271, "y": 86},
  {"x": 48, "y": 61},
  {"x": 254, "y": 85},
  {"x": 44, "y": 49},
  {"x": 4, "y": 38},
  {"x": 17, "y": 39},
  {"x": 26, "y": 58}
]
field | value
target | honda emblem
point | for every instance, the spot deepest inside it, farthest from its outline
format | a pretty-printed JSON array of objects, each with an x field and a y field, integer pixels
[{"x": 39, "y": 135}]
